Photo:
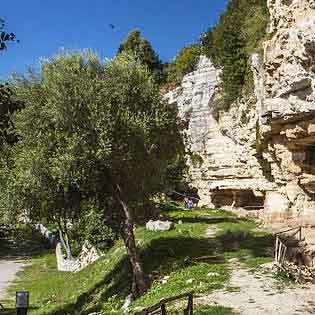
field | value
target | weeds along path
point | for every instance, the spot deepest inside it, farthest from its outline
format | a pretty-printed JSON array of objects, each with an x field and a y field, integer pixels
[
  {"x": 254, "y": 292},
  {"x": 260, "y": 294},
  {"x": 8, "y": 271}
]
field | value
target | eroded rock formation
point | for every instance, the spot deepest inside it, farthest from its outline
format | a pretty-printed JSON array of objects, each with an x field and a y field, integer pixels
[{"x": 261, "y": 152}]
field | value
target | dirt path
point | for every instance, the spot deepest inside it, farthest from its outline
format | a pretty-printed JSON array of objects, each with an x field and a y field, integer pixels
[
  {"x": 260, "y": 294},
  {"x": 8, "y": 271}
]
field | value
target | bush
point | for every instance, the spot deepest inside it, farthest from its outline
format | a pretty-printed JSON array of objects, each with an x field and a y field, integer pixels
[
  {"x": 91, "y": 227},
  {"x": 229, "y": 44},
  {"x": 196, "y": 160},
  {"x": 184, "y": 63}
]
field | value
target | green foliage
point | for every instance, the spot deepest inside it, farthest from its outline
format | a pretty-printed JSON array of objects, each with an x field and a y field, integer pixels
[
  {"x": 8, "y": 137},
  {"x": 142, "y": 50},
  {"x": 229, "y": 44},
  {"x": 91, "y": 227},
  {"x": 8, "y": 105},
  {"x": 5, "y": 37},
  {"x": 196, "y": 160},
  {"x": 104, "y": 137},
  {"x": 96, "y": 126},
  {"x": 184, "y": 62}
]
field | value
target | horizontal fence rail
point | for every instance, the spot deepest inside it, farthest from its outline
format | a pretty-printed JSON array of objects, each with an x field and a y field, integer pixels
[{"x": 161, "y": 309}]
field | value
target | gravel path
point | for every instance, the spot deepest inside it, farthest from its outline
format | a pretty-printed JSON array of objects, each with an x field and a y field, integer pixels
[
  {"x": 8, "y": 271},
  {"x": 260, "y": 295}
]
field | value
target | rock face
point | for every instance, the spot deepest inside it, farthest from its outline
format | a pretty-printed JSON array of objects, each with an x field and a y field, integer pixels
[
  {"x": 261, "y": 152},
  {"x": 222, "y": 165},
  {"x": 88, "y": 255},
  {"x": 288, "y": 120}
]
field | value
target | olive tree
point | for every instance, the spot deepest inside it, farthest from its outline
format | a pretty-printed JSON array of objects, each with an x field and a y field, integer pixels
[{"x": 101, "y": 131}]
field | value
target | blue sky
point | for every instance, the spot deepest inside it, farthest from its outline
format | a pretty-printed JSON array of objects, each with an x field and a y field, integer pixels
[{"x": 45, "y": 26}]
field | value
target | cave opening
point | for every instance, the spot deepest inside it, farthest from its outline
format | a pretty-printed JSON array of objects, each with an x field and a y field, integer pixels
[
  {"x": 309, "y": 163},
  {"x": 237, "y": 198}
]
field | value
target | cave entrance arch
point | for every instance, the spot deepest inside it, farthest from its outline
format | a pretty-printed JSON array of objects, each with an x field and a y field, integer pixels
[{"x": 237, "y": 198}]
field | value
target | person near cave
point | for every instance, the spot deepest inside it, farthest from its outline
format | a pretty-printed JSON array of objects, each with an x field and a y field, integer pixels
[{"x": 190, "y": 204}]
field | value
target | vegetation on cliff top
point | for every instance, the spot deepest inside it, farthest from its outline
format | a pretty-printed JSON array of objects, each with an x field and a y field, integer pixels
[
  {"x": 238, "y": 33},
  {"x": 229, "y": 44},
  {"x": 183, "y": 63},
  {"x": 143, "y": 51}
]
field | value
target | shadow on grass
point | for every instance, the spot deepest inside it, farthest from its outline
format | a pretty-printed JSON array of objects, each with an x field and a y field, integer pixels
[
  {"x": 161, "y": 256},
  {"x": 12, "y": 311},
  {"x": 164, "y": 255},
  {"x": 14, "y": 249},
  {"x": 215, "y": 220},
  {"x": 8, "y": 311}
]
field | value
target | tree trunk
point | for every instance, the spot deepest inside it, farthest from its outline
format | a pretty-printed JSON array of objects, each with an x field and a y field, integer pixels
[
  {"x": 141, "y": 281},
  {"x": 65, "y": 241}
]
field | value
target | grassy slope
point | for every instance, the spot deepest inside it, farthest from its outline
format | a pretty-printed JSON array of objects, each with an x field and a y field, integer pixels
[{"x": 181, "y": 254}]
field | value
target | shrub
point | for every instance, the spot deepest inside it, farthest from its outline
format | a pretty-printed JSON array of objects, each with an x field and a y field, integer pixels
[
  {"x": 184, "y": 62},
  {"x": 229, "y": 44},
  {"x": 196, "y": 160}
]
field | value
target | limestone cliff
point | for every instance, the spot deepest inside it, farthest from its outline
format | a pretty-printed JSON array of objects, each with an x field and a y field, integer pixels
[
  {"x": 288, "y": 118},
  {"x": 261, "y": 152}
]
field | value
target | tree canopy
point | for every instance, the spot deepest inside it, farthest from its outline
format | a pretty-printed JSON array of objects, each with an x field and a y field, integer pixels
[
  {"x": 95, "y": 134},
  {"x": 141, "y": 48}
]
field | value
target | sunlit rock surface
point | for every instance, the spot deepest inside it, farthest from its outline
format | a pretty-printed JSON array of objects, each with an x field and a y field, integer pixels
[{"x": 261, "y": 152}]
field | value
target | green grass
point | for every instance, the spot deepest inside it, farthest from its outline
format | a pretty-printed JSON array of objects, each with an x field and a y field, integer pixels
[
  {"x": 183, "y": 255},
  {"x": 206, "y": 310}
]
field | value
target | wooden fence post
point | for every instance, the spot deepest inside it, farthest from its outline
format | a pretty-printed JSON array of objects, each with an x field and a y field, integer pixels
[
  {"x": 163, "y": 309},
  {"x": 190, "y": 304},
  {"x": 276, "y": 249}
]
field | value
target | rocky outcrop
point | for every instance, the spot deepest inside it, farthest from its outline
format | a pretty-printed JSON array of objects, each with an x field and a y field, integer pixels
[
  {"x": 261, "y": 152},
  {"x": 88, "y": 255},
  {"x": 289, "y": 112},
  {"x": 221, "y": 150}
]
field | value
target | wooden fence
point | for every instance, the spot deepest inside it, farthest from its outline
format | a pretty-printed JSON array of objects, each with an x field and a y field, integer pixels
[
  {"x": 160, "y": 308},
  {"x": 280, "y": 246}
]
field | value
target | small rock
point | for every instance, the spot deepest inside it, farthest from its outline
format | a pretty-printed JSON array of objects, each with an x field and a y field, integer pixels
[
  {"x": 127, "y": 303},
  {"x": 212, "y": 274},
  {"x": 165, "y": 279},
  {"x": 158, "y": 225},
  {"x": 189, "y": 281}
]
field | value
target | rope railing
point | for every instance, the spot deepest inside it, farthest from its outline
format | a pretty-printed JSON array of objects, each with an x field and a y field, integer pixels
[{"x": 183, "y": 195}]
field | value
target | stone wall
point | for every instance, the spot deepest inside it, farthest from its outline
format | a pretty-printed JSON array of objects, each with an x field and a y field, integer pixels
[{"x": 264, "y": 145}]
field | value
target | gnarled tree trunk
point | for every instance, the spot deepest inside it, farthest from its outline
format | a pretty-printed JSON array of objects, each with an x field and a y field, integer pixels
[{"x": 141, "y": 281}]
